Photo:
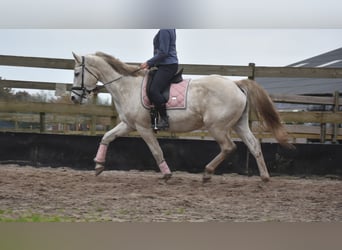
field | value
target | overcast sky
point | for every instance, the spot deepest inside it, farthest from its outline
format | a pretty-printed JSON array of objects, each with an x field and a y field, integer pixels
[
  {"x": 265, "y": 47},
  {"x": 268, "y": 33},
  {"x": 170, "y": 13}
]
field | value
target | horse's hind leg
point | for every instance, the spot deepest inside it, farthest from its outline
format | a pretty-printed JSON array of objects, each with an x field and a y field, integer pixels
[
  {"x": 243, "y": 130},
  {"x": 226, "y": 145}
]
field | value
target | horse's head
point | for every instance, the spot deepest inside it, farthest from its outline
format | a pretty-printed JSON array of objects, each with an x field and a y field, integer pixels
[{"x": 85, "y": 80}]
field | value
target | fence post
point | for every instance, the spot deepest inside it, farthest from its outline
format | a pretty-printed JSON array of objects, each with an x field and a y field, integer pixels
[
  {"x": 42, "y": 122},
  {"x": 323, "y": 129},
  {"x": 252, "y": 65},
  {"x": 93, "y": 117},
  {"x": 335, "y": 125},
  {"x": 16, "y": 124}
]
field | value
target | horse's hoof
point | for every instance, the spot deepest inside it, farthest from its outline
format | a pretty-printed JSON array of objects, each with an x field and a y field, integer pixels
[
  {"x": 99, "y": 169},
  {"x": 206, "y": 177},
  {"x": 167, "y": 177},
  {"x": 265, "y": 178}
]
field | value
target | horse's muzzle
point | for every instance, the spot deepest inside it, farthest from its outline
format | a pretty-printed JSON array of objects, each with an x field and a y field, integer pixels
[{"x": 74, "y": 99}]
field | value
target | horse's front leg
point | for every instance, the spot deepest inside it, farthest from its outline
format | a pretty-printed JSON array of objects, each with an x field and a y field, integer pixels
[
  {"x": 149, "y": 137},
  {"x": 120, "y": 130}
]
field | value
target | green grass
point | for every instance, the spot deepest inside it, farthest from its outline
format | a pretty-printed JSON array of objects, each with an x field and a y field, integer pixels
[
  {"x": 9, "y": 216},
  {"x": 177, "y": 211}
]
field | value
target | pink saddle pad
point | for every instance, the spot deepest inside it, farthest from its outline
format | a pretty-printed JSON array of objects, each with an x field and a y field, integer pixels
[{"x": 177, "y": 98}]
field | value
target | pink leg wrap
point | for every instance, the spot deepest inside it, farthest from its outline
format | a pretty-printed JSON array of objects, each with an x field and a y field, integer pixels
[
  {"x": 164, "y": 168},
  {"x": 101, "y": 154}
]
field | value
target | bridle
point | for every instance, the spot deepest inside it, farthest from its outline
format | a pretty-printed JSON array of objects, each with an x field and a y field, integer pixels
[
  {"x": 82, "y": 88},
  {"x": 97, "y": 88}
]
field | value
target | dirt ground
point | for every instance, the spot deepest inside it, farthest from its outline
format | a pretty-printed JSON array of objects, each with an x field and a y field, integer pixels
[{"x": 142, "y": 197}]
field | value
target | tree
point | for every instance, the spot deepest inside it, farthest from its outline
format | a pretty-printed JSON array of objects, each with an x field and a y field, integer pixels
[{"x": 5, "y": 93}]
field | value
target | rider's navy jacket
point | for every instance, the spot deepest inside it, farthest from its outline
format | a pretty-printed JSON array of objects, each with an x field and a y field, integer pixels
[{"x": 164, "y": 48}]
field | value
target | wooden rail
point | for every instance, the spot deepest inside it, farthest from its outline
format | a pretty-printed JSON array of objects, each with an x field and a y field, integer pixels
[
  {"x": 37, "y": 62},
  {"x": 78, "y": 113},
  {"x": 295, "y": 121},
  {"x": 190, "y": 69},
  {"x": 70, "y": 109}
]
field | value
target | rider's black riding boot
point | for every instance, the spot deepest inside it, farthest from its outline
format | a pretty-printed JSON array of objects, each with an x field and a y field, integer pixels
[{"x": 163, "y": 122}]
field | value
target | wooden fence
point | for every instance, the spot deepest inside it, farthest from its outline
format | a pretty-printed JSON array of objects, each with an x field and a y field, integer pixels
[{"x": 66, "y": 115}]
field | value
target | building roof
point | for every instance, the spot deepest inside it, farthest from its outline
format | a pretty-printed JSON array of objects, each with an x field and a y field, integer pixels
[{"x": 321, "y": 86}]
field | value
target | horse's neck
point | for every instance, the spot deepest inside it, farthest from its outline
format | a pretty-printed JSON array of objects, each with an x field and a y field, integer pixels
[
  {"x": 114, "y": 82},
  {"x": 125, "y": 92}
]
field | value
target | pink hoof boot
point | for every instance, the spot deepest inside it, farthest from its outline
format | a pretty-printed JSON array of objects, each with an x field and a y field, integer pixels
[
  {"x": 164, "y": 168},
  {"x": 100, "y": 159},
  {"x": 101, "y": 154}
]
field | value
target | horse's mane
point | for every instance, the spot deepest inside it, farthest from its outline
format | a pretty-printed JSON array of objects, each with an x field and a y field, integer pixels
[{"x": 120, "y": 67}]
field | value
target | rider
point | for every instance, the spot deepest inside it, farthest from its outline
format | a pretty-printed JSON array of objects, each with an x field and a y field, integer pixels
[{"x": 166, "y": 60}]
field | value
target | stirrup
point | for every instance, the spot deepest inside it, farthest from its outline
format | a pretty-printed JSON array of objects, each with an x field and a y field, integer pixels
[
  {"x": 155, "y": 124},
  {"x": 154, "y": 119}
]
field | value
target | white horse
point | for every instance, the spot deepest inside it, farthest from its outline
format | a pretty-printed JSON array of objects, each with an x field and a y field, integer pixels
[{"x": 214, "y": 103}]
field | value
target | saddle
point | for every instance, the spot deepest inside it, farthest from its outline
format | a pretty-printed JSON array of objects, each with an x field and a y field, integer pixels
[
  {"x": 177, "y": 78},
  {"x": 175, "y": 94}
]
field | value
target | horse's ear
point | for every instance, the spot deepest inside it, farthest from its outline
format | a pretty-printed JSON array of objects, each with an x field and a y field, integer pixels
[{"x": 77, "y": 57}]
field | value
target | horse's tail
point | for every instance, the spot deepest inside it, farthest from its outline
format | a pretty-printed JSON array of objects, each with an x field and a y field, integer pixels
[{"x": 263, "y": 107}]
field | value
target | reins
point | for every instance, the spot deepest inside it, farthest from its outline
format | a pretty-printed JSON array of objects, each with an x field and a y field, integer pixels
[{"x": 99, "y": 87}]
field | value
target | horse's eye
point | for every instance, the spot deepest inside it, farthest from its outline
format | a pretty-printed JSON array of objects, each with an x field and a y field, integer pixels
[{"x": 77, "y": 73}]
